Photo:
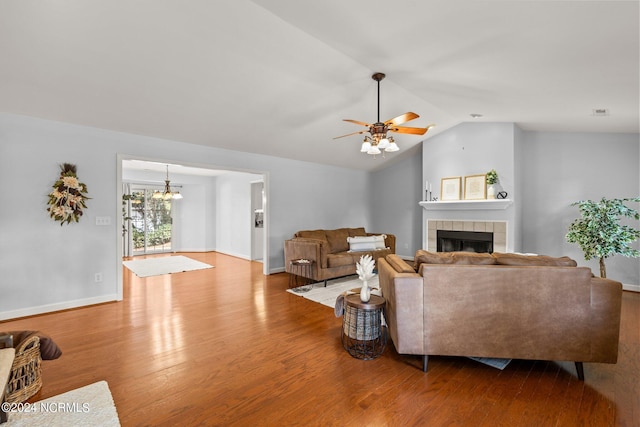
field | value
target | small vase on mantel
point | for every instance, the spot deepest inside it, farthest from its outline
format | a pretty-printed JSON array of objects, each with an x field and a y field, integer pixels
[
  {"x": 492, "y": 179},
  {"x": 491, "y": 191}
]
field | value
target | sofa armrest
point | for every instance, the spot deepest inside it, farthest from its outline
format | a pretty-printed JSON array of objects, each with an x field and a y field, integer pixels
[
  {"x": 305, "y": 248},
  {"x": 606, "y": 301},
  {"x": 403, "y": 292}
]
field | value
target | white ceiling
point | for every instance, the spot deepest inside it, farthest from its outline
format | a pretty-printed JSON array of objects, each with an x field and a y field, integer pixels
[{"x": 277, "y": 77}]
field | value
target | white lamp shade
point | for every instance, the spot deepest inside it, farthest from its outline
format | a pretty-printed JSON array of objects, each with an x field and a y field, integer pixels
[
  {"x": 177, "y": 195},
  {"x": 392, "y": 147},
  {"x": 384, "y": 143},
  {"x": 374, "y": 150},
  {"x": 366, "y": 146}
]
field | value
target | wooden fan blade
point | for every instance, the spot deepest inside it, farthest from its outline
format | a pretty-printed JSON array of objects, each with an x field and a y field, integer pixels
[
  {"x": 357, "y": 122},
  {"x": 349, "y": 134},
  {"x": 409, "y": 130},
  {"x": 402, "y": 119}
]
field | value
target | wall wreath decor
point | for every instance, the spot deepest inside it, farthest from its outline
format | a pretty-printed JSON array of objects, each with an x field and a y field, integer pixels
[{"x": 68, "y": 197}]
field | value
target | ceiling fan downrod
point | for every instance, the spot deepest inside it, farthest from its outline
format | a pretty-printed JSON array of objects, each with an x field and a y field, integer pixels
[{"x": 377, "y": 77}]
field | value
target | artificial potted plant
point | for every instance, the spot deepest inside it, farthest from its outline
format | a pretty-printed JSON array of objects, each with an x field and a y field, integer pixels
[
  {"x": 599, "y": 232},
  {"x": 492, "y": 179}
]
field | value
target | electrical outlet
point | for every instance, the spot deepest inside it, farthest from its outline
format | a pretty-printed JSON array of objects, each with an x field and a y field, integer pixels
[
  {"x": 98, "y": 277},
  {"x": 406, "y": 246},
  {"x": 103, "y": 220}
]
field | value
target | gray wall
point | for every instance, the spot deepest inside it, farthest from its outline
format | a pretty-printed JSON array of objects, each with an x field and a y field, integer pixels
[
  {"x": 562, "y": 168},
  {"x": 233, "y": 214},
  {"x": 394, "y": 195},
  {"x": 46, "y": 267}
]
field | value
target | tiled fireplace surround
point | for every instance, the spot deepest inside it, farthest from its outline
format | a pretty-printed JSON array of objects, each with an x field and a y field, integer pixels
[{"x": 498, "y": 228}]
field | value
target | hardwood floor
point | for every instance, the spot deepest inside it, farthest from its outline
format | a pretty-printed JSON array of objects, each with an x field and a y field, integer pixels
[{"x": 228, "y": 346}]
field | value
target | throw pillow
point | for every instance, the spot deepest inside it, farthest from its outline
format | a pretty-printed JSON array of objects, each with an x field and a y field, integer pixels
[
  {"x": 49, "y": 350},
  {"x": 338, "y": 240},
  {"x": 366, "y": 243}
]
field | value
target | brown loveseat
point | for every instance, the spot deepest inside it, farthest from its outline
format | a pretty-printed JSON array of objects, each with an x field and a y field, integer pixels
[
  {"x": 500, "y": 306},
  {"x": 329, "y": 251}
]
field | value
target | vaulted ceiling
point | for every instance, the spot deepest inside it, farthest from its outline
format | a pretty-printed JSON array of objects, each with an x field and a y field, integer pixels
[{"x": 277, "y": 77}]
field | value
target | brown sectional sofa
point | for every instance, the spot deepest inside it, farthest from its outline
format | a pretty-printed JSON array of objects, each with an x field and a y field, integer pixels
[
  {"x": 329, "y": 249},
  {"x": 500, "y": 306}
]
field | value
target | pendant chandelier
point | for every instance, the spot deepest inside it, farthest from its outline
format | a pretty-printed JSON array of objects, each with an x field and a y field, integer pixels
[{"x": 167, "y": 194}]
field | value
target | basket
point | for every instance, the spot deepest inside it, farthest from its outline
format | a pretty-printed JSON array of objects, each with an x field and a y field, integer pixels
[{"x": 25, "y": 379}]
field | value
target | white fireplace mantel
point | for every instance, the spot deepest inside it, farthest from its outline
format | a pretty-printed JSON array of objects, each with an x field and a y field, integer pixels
[{"x": 458, "y": 205}]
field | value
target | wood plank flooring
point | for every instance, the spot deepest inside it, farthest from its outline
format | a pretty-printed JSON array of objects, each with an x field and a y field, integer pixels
[{"x": 228, "y": 346}]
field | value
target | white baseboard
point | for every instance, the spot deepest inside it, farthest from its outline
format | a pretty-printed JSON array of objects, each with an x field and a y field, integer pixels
[
  {"x": 632, "y": 288},
  {"x": 233, "y": 254},
  {"x": 277, "y": 270},
  {"x": 48, "y": 308}
]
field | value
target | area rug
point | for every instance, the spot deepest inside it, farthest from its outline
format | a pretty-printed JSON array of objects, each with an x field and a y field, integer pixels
[
  {"x": 87, "y": 406},
  {"x": 164, "y": 265},
  {"x": 327, "y": 296},
  {"x": 317, "y": 292}
]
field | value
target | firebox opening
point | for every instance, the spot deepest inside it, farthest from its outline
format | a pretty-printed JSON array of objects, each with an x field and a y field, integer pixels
[{"x": 466, "y": 241}]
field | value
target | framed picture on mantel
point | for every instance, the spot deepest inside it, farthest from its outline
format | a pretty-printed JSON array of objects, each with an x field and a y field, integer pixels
[
  {"x": 450, "y": 188},
  {"x": 475, "y": 187}
]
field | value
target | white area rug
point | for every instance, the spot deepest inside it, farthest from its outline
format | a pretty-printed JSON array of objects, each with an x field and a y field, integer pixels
[
  {"x": 164, "y": 265},
  {"x": 87, "y": 406},
  {"x": 327, "y": 296}
]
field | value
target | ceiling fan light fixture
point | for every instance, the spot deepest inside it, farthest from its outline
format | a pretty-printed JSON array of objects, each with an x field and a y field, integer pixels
[
  {"x": 374, "y": 150},
  {"x": 392, "y": 147},
  {"x": 377, "y": 141},
  {"x": 384, "y": 143}
]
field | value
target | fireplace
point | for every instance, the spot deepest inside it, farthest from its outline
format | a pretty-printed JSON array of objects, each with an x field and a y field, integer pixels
[
  {"x": 466, "y": 241},
  {"x": 479, "y": 230}
]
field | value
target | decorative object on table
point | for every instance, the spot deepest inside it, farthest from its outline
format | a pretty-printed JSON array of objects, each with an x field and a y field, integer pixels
[
  {"x": 428, "y": 191},
  {"x": 492, "y": 179},
  {"x": 364, "y": 268},
  {"x": 450, "y": 188},
  {"x": 377, "y": 142},
  {"x": 68, "y": 197},
  {"x": 475, "y": 187},
  {"x": 502, "y": 195},
  {"x": 599, "y": 232}
]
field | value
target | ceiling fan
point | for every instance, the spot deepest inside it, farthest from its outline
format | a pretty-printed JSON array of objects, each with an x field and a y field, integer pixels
[{"x": 378, "y": 141}]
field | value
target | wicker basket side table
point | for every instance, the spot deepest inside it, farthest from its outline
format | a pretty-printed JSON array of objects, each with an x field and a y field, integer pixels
[
  {"x": 25, "y": 379},
  {"x": 363, "y": 334}
]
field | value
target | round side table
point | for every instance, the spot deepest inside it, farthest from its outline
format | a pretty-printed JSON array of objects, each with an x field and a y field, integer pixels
[
  {"x": 363, "y": 334},
  {"x": 301, "y": 270}
]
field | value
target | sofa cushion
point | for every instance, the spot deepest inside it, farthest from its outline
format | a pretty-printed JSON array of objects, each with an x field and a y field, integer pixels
[
  {"x": 460, "y": 258},
  {"x": 473, "y": 258},
  {"x": 339, "y": 260},
  {"x": 312, "y": 234},
  {"x": 357, "y": 232},
  {"x": 337, "y": 240},
  {"x": 366, "y": 243},
  {"x": 533, "y": 260}
]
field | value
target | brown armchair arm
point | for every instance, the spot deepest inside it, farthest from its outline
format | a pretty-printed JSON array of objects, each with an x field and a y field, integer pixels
[{"x": 305, "y": 248}]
